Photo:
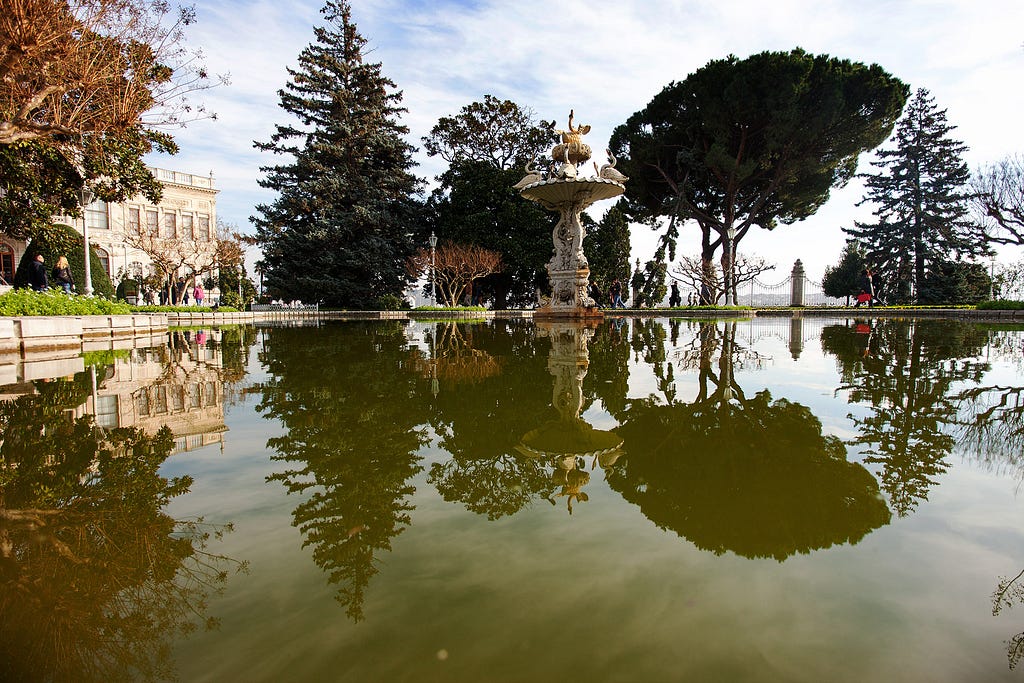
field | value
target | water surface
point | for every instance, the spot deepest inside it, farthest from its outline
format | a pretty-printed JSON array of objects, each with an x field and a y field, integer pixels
[{"x": 648, "y": 500}]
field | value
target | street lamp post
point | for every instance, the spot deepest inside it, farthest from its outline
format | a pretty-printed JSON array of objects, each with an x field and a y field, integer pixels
[
  {"x": 992, "y": 279},
  {"x": 433, "y": 286},
  {"x": 238, "y": 269},
  {"x": 730, "y": 233},
  {"x": 85, "y": 197}
]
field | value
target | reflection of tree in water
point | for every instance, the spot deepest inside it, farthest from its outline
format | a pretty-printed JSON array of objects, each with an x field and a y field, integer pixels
[
  {"x": 906, "y": 372},
  {"x": 1008, "y": 593},
  {"x": 749, "y": 475},
  {"x": 607, "y": 379},
  {"x": 732, "y": 472},
  {"x": 481, "y": 422},
  {"x": 352, "y": 403},
  {"x": 95, "y": 580},
  {"x": 990, "y": 425}
]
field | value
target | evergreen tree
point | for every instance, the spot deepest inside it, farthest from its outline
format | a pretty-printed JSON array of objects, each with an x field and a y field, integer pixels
[
  {"x": 487, "y": 145},
  {"x": 920, "y": 194},
  {"x": 343, "y": 223},
  {"x": 844, "y": 279},
  {"x": 607, "y": 247}
]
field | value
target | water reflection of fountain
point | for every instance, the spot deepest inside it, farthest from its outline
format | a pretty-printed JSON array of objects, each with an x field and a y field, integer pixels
[
  {"x": 564, "y": 191},
  {"x": 568, "y": 442}
]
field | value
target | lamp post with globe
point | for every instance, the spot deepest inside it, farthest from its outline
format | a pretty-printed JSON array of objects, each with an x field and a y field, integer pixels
[
  {"x": 730, "y": 233},
  {"x": 85, "y": 197},
  {"x": 433, "y": 286}
]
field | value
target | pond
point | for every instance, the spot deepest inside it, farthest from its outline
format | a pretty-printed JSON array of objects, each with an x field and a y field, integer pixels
[{"x": 644, "y": 500}]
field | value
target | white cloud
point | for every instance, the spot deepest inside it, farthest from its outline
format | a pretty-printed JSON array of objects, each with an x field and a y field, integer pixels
[{"x": 606, "y": 60}]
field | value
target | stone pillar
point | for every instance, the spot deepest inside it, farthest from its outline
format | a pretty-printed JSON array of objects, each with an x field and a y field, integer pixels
[{"x": 799, "y": 279}]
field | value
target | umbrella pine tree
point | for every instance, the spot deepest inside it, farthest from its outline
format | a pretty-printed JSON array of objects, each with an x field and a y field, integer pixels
[{"x": 343, "y": 221}]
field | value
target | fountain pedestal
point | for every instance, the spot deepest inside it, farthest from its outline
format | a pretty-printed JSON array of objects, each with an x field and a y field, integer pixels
[{"x": 568, "y": 270}]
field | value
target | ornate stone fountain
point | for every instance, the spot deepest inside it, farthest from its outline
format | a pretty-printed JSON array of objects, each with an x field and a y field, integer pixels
[{"x": 565, "y": 190}]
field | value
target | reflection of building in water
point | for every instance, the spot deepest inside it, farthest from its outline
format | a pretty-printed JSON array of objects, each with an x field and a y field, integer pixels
[{"x": 178, "y": 385}]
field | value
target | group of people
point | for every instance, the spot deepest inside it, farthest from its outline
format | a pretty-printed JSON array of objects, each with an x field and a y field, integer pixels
[
  {"x": 60, "y": 275},
  {"x": 614, "y": 294}
]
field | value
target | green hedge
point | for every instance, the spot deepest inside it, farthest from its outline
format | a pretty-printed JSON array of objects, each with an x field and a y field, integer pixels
[
  {"x": 58, "y": 240},
  {"x": 1000, "y": 305},
  {"x": 22, "y": 302}
]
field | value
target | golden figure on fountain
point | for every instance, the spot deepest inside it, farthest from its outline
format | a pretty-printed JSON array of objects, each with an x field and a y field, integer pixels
[{"x": 572, "y": 148}]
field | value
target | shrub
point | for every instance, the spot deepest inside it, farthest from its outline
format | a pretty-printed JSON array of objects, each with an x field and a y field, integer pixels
[
  {"x": 55, "y": 241},
  {"x": 391, "y": 302},
  {"x": 1000, "y": 305},
  {"x": 23, "y": 302}
]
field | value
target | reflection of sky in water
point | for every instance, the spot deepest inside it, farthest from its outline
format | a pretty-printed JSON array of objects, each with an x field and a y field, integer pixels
[{"x": 604, "y": 593}]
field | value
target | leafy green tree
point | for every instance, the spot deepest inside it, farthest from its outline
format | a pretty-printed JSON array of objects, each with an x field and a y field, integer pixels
[
  {"x": 844, "y": 279},
  {"x": 344, "y": 219},
  {"x": 85, "y": 87},
  {"x": 498, "y": 132},
  {"x": 752, "y": 142},
  {"x": 476, "y": 204},
  {"x": 63, "y": 240},
  {"x": 487, "y": 146},
  {"x": 920, "y": 197},
  {"x": 606, "y": 247},
  {"x": 39, "y": 181},
  {"x": 648, "y": 283}
]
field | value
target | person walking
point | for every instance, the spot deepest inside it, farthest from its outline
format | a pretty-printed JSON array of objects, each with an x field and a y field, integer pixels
[
  {"x": 198, "y": 294},
  {"x": 37, "y": 274},
  {"x": 615, "y": 293},
  {"x": 675, "y": 299},
  {"x": 595, "y": 294},
  {"x": 62, "y": 276}
]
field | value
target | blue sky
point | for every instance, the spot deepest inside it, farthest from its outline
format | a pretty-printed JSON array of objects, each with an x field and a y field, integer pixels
[{"x": 605, "y": 60}]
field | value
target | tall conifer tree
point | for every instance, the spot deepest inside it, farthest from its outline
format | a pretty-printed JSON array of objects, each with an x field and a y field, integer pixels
[
  {"x": 343, "y": 223},
  {"x": 920, "y": 196}
]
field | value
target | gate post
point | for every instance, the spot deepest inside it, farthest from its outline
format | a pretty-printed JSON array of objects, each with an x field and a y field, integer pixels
[{"x": 799, "y": 279}]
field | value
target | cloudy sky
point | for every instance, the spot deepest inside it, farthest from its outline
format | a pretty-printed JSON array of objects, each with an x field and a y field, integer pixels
[{"x": 606, "y": 61}]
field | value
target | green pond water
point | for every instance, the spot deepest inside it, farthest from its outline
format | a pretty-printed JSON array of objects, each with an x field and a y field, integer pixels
[{"x": 647, "y": 500}]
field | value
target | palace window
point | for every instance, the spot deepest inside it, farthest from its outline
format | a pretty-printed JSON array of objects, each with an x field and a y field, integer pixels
[
  {"x": 96, "y": 215},
  {"x": 169, "y": 225},
  {"x": 104, "y": 258},
  {"x": 152, "y": 222},
  {"x": 186, "y": 226}
]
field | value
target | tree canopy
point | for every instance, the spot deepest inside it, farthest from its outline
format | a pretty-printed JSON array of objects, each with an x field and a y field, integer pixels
[
  {"x": 85, "y": 86},
  {"x": 499, "y": 132},
  {"x": 476, "y": 204},
  {"x": 343, "y": 223},
  {"x": 755, "y": 141}
]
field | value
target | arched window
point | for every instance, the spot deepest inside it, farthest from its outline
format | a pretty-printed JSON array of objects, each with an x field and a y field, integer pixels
[
  {"x": 6, "y": 264},
  {"x": 104, "y": 258}
]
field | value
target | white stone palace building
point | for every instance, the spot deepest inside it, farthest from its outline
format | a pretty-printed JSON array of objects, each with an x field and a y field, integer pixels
[{"x": 188, "y": 209}]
